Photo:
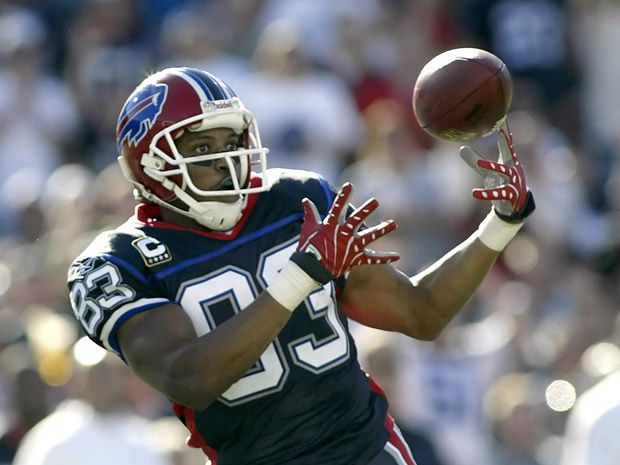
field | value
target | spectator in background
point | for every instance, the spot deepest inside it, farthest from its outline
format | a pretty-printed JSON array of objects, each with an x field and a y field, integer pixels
[
  {"x": 107, "y": 49},
  {"x": 325, "y": 16},
  {"x": 308, "y": 117},
  {"x": 591, "y": 436},
  {"x": 371, "y": 58},
  {"x": 515, "y": 405},
  {"x": 186, "y": 39},
  {"x": 592, "y": 429},
  {"x": 97, "y": 427},
  {"x": 29, "y": 403},
  {"x": 38, "y": 118},
  {"x": 103, "y": 79},
  {"x": 596, "y": 32},
  {"x": 533, "y": 38}
]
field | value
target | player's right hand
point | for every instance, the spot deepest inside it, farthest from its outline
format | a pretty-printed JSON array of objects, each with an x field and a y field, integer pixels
[{"x": 336, "y": 242}]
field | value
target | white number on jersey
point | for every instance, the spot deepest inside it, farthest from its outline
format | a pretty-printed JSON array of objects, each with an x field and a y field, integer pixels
[
  {"x": 271, "y": 369},
  {"x": 105, "y": 280}
]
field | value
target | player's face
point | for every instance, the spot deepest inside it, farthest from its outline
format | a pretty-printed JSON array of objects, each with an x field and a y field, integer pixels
[{"x": 211, "y": 174}]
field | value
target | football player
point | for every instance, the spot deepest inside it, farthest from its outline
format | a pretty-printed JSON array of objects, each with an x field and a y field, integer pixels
[{"x": 229, "y": 289}]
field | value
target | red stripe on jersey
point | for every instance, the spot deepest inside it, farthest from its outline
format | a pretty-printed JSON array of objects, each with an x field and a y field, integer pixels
[
  {"x": 374, "y": 386},
  {"x": 397, "y": 440},
  {"x": 195, "y": 439}
]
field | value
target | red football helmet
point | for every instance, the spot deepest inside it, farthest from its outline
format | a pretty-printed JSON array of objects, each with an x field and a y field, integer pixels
[{"x": 163, "y": 106}]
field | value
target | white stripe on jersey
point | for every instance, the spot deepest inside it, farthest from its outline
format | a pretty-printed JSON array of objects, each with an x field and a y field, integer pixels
[
  {"x": 402, "y": 439},
  {"x": 395, "y": 453},
  {"x": 123, "y": 310}
]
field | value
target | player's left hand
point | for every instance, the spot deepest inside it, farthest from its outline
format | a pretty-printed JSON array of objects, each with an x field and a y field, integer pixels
[
  {"x": 336, "y": 241},
  {"x": 504, "y": 180}
]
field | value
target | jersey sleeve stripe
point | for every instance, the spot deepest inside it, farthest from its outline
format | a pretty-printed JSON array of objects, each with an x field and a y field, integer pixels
[{"x": 122, "y": 314}]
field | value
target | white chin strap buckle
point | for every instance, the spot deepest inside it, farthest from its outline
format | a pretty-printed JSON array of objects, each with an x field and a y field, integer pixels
[{"x": 218, "y": 216}]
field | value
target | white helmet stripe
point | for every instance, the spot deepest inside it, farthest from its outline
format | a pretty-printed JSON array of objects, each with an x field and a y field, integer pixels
[
  {"x": 203, "y": 92},
  {"x": 224, "y": 86}
]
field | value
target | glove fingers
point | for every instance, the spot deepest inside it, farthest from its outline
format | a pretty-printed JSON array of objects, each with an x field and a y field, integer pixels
[
  {"x": 338, "y": 208},
  {"x": 376, "y": 232},
  {"x": 488, "y": 166},
  {"x": 505, "y": 146},
  {"x": 471, "y": 157},
  {"x": 310, "y": 211},
  {"x": 504, "y": 192},
  {"x": 504, "y": 150},
  {"x": 371, "y": 257},
  {"x": 360, "y": 214}
]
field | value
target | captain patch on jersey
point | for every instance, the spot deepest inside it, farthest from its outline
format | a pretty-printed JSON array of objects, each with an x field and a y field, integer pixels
[{"x": 152, "y": 251}]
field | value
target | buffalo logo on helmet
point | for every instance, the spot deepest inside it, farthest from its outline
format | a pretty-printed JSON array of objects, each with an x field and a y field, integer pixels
[{"x": 140, "y": 113}]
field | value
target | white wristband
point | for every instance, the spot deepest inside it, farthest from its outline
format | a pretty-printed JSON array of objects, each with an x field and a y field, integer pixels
[
  {"x": 496, "y": 233},
  {"x": 291, "y": 286}
]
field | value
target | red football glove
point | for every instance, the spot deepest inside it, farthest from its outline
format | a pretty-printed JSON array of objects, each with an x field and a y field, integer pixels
[
  {"x": 504, "y": 180},
  {"x": 335, "y": 242}
]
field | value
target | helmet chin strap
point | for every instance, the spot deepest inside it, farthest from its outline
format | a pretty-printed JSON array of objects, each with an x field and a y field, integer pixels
[{"x": 217, "y": 216}]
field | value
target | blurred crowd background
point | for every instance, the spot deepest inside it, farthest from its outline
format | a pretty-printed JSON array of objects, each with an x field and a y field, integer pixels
[{"x": 520, "y": 375}]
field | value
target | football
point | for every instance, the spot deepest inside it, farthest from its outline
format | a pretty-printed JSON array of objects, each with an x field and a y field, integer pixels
[{"x": 462, "y": 94}]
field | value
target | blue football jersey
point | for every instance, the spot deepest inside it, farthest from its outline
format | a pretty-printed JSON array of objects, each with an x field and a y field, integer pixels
[{"x": 306, "y": 400}]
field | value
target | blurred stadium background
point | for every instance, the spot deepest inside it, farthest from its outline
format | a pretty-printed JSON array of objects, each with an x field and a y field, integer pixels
[{"x": 330, "y": 84}]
